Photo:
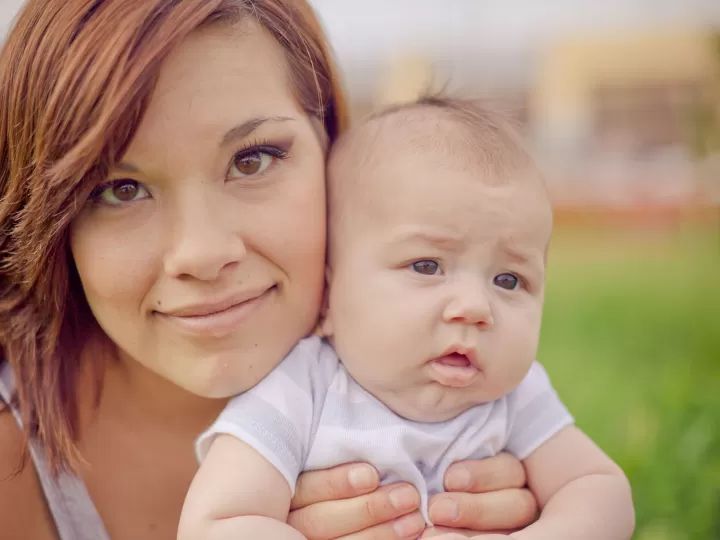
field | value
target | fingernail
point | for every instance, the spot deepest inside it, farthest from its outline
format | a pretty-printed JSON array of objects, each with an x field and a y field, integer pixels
[
  {"x": 458, "y": 479},
  {"x": 362, "y": 477},
  {"x": 444, "y": 510},
  {"x": 409, "y": 526},
  {"x": 403, "y": 498}
]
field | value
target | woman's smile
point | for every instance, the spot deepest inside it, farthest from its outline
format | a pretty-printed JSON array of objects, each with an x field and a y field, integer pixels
[{"x": 218, "y": 318}]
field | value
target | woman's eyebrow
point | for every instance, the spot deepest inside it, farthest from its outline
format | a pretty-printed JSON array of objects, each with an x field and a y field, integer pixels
[
  {"x": 236, "y": 133},
  {"x": 126, "y": 167},
  {"x": 246, "y": 128}
]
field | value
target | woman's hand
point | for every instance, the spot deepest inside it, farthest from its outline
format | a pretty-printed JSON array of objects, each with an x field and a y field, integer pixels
[
  {"x": 438, "y": 534},
  {"x": 488, "y": 495},
  {"x": 346, "y": 503},
  {"x": 443, "y": 533}
]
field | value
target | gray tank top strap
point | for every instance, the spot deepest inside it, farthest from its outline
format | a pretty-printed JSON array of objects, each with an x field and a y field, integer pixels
[{"x": 70, "y": 505}]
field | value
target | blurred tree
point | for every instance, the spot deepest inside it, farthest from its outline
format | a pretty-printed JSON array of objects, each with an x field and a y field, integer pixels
[
  {"x": 705, "y": 133},
  {"x": 705, "y": 115}
]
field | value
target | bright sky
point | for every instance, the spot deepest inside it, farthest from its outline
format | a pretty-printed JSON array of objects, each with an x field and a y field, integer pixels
[
  {"x": 370, "y": 24},
  {"x": 506, "y": 32},
  {"x": 502, "y": 34},
  {"x": 359, "y": 26}
]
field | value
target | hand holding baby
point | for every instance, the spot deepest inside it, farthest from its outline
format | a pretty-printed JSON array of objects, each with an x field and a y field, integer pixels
[{"x": 438, "y": 534}]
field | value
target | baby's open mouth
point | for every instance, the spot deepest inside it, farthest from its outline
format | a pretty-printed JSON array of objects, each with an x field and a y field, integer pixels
[
  {"x": 455, "y": 359},
  {"x": 454, "y": 370}
]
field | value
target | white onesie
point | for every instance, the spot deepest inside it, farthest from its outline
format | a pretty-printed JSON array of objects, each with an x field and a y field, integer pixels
[{"x": 309, "y": 413}]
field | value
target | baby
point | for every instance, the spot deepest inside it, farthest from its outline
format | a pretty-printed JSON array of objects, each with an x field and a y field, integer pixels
[{"x": 439, "y": 225}]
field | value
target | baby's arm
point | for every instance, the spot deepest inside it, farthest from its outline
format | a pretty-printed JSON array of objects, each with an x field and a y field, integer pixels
[
  {"x": 581, "y": 491},
  {"x": 236, "y": 494}
]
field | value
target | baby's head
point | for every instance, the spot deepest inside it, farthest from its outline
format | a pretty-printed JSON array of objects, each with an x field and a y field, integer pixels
[{"x": 439, "y": 226}]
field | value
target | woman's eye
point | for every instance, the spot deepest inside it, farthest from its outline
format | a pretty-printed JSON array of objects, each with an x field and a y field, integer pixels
[
  {"x": 507, "y": 281},
  {"x": 427, "y": 267},
  {"x": 250, "y": 163},
  {"x": 118, "y": 192}
]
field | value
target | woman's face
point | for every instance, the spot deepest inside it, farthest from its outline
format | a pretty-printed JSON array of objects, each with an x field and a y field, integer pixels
[{"x": 202, "y": 255}]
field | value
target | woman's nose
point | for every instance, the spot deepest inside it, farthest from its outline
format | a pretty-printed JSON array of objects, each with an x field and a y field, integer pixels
[{"x": 204, "y": 241}]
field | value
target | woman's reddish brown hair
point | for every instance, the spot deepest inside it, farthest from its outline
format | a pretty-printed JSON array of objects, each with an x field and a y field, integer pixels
[{"x": 75, "y": 79}]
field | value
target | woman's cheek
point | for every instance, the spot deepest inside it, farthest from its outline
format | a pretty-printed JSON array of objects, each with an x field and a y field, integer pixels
[{"x": 116, "y": 263}]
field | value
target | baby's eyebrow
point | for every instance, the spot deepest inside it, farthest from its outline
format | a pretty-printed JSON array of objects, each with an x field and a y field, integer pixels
[
  {"x": 447, "y": 242},
  {"x": 527, "y": 257}
]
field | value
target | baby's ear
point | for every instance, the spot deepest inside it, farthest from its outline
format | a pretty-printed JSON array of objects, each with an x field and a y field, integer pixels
[{"x": 324, "y": 327}]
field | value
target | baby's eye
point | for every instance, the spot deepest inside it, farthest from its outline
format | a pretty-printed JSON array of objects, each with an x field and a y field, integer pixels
[
  {"x": 507, "y": 281},
  {"x": 426, "y": 267},
  {"x": 119, "y": 192}
]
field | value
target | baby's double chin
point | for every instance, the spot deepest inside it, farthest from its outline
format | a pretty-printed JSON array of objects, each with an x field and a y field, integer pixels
[{"x": 429, "y": 403}]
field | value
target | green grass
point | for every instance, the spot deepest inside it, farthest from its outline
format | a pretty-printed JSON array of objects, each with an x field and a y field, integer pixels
[{"x": 631, "y": 338}]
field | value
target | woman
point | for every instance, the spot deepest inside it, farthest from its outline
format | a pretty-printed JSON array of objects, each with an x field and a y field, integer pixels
[{"x": 162, "y": 233}]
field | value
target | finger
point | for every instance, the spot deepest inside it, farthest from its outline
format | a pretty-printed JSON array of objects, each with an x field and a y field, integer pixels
[
  {"x": 496, "y": 535},
  {"x": 502, "y": 471},
  {"x": 336, "y": 519},
  {"x": 340, "y": 482},
  {"x": 508, "y": 509},
  {"x": 407, "y": 527},
  {"x": 435, "y": 532},
  {"x": 441, "y": 533}
]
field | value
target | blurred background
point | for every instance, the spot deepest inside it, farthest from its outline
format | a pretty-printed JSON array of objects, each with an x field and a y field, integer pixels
[{"x": 621, "y": 102}]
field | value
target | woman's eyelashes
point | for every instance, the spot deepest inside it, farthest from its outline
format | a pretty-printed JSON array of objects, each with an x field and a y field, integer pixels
[
  {"x": 119, "y": 192},
  {"x": 249, "y": 162},
  {"x": 254, "y": 160}
]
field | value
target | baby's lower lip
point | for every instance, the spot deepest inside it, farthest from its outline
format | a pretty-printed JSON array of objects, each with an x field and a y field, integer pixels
[{"x": 454, "y": 370}]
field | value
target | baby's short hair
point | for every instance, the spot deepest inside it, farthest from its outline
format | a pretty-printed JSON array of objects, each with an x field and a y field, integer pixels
[
  {"x": 464, "y": 129},
  {"x": 461, "y": 132}
]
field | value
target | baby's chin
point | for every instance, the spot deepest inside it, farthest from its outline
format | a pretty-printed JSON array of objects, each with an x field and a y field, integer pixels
[{"x": 433, "y": 402}]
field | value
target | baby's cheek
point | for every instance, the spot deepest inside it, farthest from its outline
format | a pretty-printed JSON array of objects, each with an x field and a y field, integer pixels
[
  {"x": 525, "y": 331},
  {"x": 356, "y": 305},
  {"x": 524, "y": 354},
  {"x": 509, "y": 361}
]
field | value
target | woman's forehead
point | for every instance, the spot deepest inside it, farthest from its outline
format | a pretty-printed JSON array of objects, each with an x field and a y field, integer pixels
[{"x": 219, "y": 77}]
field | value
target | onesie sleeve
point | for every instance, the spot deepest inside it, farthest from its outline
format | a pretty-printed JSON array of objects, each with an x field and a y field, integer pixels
[
  {"x": 535, "y": 413},
  {"x": 277, "y": 416}
]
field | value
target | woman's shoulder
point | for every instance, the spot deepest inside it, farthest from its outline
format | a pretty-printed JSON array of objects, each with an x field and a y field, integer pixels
[{"x": 21, "y": 499}]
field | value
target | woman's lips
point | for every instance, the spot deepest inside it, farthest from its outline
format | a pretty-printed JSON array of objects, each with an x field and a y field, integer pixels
[
  {"x": 454, "y": 370},
  {"x": 217, "y": 323}
]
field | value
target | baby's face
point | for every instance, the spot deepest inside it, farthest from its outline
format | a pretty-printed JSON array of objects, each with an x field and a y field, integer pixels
[{"x": 437, "y": 282}]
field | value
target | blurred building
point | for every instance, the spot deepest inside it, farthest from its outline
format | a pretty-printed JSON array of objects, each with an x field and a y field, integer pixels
[
  {"x": 610, "y": 113},
  {"x": 630, "y": 93},
  {"x": 616, "y": 113}
]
